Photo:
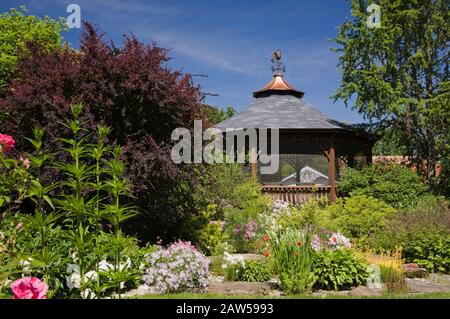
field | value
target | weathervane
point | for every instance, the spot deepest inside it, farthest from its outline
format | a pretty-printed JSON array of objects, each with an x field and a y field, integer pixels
[{"x": 277, "y": 67}]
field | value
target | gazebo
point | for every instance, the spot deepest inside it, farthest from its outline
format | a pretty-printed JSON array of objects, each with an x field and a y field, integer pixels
[{"x": 312, "y": 147}]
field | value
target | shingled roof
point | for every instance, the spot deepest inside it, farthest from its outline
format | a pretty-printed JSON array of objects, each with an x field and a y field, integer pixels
[{"x": 281, "y": 108}]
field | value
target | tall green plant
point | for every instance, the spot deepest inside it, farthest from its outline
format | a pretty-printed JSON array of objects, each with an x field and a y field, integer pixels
[{"x": 292, "y": 258}]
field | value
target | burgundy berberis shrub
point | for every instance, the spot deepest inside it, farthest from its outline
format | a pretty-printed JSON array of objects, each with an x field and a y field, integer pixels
[{"x": 128, "y": 89}]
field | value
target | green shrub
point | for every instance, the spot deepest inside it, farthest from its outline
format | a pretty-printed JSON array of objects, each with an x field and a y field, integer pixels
[
  {"x": 360, "y": 216},
  {"x": 395, "y": 184},
  {"x": 292, "y": 258},
  {"x": 430, "y": 251},
  {"x": 338, "y": 269},
  {"x": 242, "y": 225},
  {"x": 308, "y": 215},
  {"x": 254, "y": 271},
  {"x": 250, "y": 270},
  {"x": 429, "y": 216}
]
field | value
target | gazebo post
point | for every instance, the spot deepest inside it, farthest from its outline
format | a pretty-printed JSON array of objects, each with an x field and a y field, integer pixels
[
  {"x": 332, "y": 171},
  {"x": 369, "y": 156},
  {"x": 253, "y": 163}
]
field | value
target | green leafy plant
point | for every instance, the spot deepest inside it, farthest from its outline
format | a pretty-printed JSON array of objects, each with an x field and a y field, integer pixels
[
  {"x": 65, "y": 218},
  {"x": 360, "y": 216},
  {"x": 254, "y": 271},
  {"x": 430, "y": 251},
  {"x": 338, "y": 269},
  {"x": 292, "y": 259},
  {"x": 392, "y": 183},
  {"x": 430, "y": 216}
]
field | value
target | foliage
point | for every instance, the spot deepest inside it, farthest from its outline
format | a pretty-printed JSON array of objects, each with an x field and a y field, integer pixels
[
  {"x": 431, "y": 251},
  {"x": 254, "y": 271},
  {"x": 242, "y": 222},
  {"x": 387, "y": 146},
  {"x": 177, "y": 268},
  {"x": 338, "y": 269},
  {"x": 395, "y": 184},
  {"x": 360, "y": 216},
  {"x": 389, "y": 270},
  {"x": 63, "y": 221},
  {"x": 292, "y": 257},
  {"x": 232, "y": 266},
  {"x": 210, "y": 237},
  {"x": 18, "y": 28},
  {"x": 128, "y": 89},
  {"x": 216, "y": 115},
  {"x": 394, "y": 278},
  {"x": 429, "y": 216},
  {"x": 249, "y": 270},
  {"x": 399, "y": 74}
]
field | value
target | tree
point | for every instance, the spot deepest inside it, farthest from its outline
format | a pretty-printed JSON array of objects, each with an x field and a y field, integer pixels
[
  {"x": 399, "y": 74},
  {"x": 16, "y": 29},
  {"x": 217, "y": 115},
  {"x": 128, "y": 89}
]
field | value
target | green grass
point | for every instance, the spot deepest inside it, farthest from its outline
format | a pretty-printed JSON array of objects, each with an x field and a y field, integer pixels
[{"x": 440, "y": 295}]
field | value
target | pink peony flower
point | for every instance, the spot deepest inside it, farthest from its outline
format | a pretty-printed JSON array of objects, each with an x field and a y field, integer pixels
[
  {"x": 29, "y": 288},
  {"x": 6, "y": 142}
]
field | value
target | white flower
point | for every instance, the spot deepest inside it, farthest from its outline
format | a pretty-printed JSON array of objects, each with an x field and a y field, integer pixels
[
  {"x": 104, "y": 266},
  {"x": 88, "y": 294},
  {"x": 73, "y": 268},
  {"x": 25, "y": 263},
  {"x": 73, "y": 281},
  {"x": 127, "y": 264},
  {"x": 122, "y": 285},
  {"x": 91, "y": 275},
  {"x": 74, "y": 256}
]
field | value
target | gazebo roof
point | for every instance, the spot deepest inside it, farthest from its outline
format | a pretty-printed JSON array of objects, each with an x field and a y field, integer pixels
[{"x": 279, "y": 106}]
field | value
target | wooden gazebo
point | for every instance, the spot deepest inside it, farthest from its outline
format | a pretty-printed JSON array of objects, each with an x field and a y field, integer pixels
[{"x": 312, "y": 147}]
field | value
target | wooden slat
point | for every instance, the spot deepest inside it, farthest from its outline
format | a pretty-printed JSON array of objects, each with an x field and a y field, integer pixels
[{"x": 296, "y": 194}]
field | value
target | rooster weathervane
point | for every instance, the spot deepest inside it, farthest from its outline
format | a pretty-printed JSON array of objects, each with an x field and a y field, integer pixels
[{"x": 277, "y": 65}]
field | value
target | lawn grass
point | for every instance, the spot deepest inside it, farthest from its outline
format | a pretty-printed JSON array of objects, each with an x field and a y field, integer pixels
[{"x": 437, "y": 295}]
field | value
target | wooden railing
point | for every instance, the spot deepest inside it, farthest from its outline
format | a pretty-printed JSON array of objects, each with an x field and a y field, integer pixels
[{"x": 296, "y": 194}]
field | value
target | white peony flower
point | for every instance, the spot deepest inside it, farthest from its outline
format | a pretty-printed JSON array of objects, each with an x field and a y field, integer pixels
[
  {"x": 73, "y": 281},
  {"x": 91, "y": 275},
  {"x": 25, "y": 266},
  {"x": 127, "y": 264},
  {"x": 105, "y": 266},
  {"x": 88, "y": 294},
  {"x": 73, "y": 268}
]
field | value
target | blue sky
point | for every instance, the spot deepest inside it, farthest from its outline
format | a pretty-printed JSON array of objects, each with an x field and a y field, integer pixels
[{"x": 230, "y": 41}]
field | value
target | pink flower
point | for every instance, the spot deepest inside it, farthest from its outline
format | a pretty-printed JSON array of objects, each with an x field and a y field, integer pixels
[
  {"x": 25, "y": 162},
  {"x": 29, "y": 288},
  {"x": 6, "y": 142}
]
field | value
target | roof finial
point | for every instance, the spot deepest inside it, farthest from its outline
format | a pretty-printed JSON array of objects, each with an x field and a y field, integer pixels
[{"x": 277, "y": 66}]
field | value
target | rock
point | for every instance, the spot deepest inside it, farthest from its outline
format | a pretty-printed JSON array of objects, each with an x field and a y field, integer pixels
[
  {"x": 422, "y": 285},
  {"x": 241, "y": 288},
  {"x": 365, "y": 291},
  {"x": 412, "y": 270},
  {"x": 139, "y": 291}
]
